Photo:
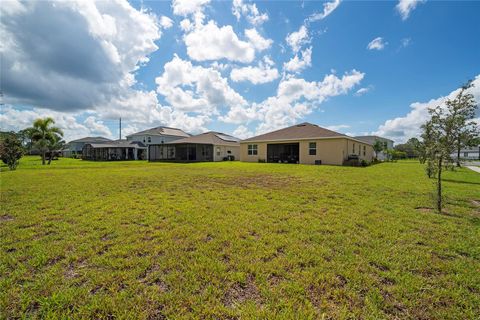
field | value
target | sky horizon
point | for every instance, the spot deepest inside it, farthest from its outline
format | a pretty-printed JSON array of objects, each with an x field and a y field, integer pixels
[{"x": 243, "y": 67}]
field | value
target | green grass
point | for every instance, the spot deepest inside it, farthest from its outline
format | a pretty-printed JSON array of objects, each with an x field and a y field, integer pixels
[{"x": 235, "y": 240}]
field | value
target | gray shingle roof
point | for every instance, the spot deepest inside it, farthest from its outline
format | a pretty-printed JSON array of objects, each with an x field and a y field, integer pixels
[
  {"x": 299, "y": 131},
  {"x": 162, "y": 131},
  {"x": 372, "y": 137},
  {"x": 211, "y": 137},
  {"x": 118, "y": 144},
  {"x": 92, "y": 139}
]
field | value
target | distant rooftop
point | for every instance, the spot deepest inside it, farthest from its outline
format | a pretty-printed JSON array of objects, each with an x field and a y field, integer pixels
[
  {"x": 372, "y": 137},
  {"x": 118, "y": 144},
  {"x": 92, "y": 139},
  {"x": 162, "y": 131},
  {"x": 211, "y": 137}
]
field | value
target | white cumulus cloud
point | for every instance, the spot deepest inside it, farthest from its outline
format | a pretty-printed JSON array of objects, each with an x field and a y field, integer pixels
[
  {"x": 256, "y": 75},
  {"x": 257, "y": 41},
  {"x": 249, "y": 11},
  {"x": 377, "y": 44},
  {"x": 328, "y": 8},
  {"x": 95, "y": 51},
  {"x": 242, "y": 132},
  {"x": 166, "y": 22},
  {"x": 405, "y": 7},
  {"x": 295, "y": 99},
  {"x": 187, "y": 7},
  {"x": 298, "y": 38},
  {"x": 197, "y": 89},
  {"x": 210, "y": 42},
  {"x": 297, "y": 64}
]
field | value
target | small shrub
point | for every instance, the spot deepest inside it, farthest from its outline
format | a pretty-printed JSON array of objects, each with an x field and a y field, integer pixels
[
  {"x": 261, "y": 161},
  {"x": 351, "y": 162},
  {"x": 11, "y": 151}
]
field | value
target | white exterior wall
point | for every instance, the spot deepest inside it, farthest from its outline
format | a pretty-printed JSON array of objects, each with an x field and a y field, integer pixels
[
  {"x": 154, "y": 139},
  {"x": 468, "y": 154},
  {"x": 73, "y": 148},
  {"x": 371, "y": 139},
  {"x": 220, "y": 152}
]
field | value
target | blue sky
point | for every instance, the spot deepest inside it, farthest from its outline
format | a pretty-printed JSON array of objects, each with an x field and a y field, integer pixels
[{"x": 353, "y": 66}]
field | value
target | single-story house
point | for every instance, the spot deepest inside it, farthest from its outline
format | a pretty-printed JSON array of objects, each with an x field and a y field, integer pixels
[
  {"x": 114, "y": 150},
  {"x": 157, "y": 135},
  {"x": 472, "y": 153},
  {"x": 75, "y": 147},
  {"x": 304, "y": 143},
  {"x": 387, "y": 144},
  {"x": 208, "y": 146}
]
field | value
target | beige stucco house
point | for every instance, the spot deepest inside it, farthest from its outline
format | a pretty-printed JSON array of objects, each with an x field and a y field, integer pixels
[{"x": 304, "y": 143}]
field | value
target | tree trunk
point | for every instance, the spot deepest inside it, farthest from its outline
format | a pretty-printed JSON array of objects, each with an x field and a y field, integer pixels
[
  {"x": 439, "y": 186},
  {"x": 458, "y": 156},
  {"x": 50, "y": 158},
  {"x": 43, "y": 157}
]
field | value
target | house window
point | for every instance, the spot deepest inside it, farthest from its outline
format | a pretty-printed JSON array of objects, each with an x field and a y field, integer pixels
[
  {"x": 465, "y": 154},
  {"x": 252, "y": 149},
  {"x": 364, "y": 151},
  {"x": 149, "y": 139},
  {"x": 312, "y": 148},
  {"x": 218, "y": 151},
  {"x": 353, "y": 151}
]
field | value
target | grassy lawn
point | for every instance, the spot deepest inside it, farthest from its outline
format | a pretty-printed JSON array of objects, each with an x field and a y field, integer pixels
[{"x": 236, "y": 240}]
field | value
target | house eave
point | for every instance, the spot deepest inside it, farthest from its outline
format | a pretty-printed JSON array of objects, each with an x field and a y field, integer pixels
[{"x": 306, "y": 139}]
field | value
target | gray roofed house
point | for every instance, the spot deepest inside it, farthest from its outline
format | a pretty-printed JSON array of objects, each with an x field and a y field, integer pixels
[
  {"x": 158, "y": 135},
  {"x": 74, "y": 148},
  {"x": 208, "y": 146}
]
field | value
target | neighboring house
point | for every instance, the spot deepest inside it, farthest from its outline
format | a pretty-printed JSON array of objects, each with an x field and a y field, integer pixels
[
  {"x": 74, "y": 148},
  {"x": 208, "y": 146},
  {"x": 304, "y": 143},
  {"x": 468, "y": 154},
  {"x": 158, "y": 135},
  {"x": 387, "y": 144},
  {"x": 114, "y": 150}
]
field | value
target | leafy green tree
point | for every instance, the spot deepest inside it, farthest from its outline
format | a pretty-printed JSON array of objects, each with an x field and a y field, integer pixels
[
  {"x": 378, "y": 147},
  {"x": 26, "y": 136},
  {"x": 462, "y": 110},
  {"x": 439, "y": 142},
  {"x": 11, "y": 150},
  {"x": 410, "y": 148},
  {"x": 44, "y": 134}
]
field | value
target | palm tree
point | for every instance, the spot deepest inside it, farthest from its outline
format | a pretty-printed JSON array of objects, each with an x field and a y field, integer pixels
[
  {"x": 54, "y": 147},
  {"x": 44, "y": 134}
]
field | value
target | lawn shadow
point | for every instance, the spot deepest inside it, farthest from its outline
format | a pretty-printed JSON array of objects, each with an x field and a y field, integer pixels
[{"x": 459, "y": 181}]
